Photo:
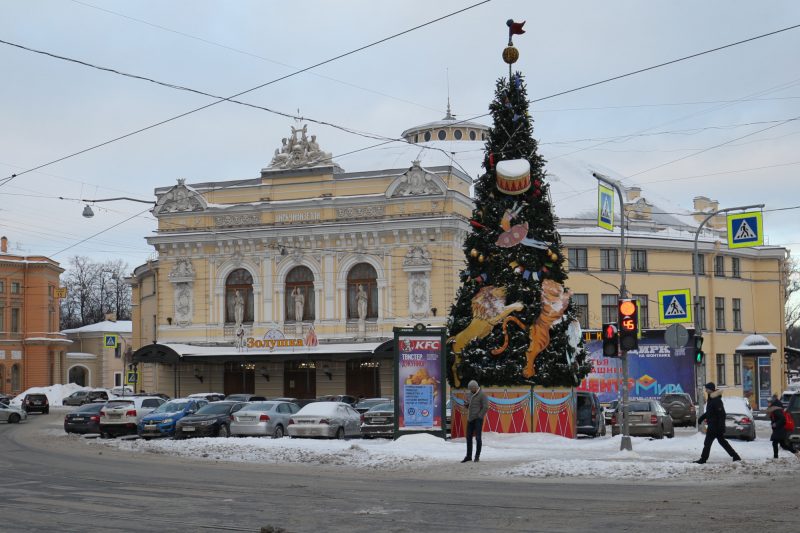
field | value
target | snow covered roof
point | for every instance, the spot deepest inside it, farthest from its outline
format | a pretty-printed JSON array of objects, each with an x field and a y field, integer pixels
[
  {"x": 106, "y": 326},
  {"x": 756, "y": 343}
]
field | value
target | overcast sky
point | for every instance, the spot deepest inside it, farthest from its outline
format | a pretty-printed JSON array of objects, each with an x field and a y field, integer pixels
[{"x": 50, "y": 108}]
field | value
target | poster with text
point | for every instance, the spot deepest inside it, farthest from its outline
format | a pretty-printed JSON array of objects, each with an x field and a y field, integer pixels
[
  {"x": 420, "y": 378},
  {"x": 764, "y": 383},
  {"x": 654, "y": 369}
]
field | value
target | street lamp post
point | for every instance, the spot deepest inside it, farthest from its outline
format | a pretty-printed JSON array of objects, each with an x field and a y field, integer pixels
[
  {"x": 701, "y": 369},
  {"x": 625, "y": 443}
]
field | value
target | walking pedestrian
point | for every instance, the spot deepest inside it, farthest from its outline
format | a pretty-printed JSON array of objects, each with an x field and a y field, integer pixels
[
  {"x": 477, "y": 407},
  {"x": 715, "y": 418},
  {"x": 780, "y": 436}
]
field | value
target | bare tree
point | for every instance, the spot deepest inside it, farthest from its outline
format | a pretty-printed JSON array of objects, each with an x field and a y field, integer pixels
[
  {"x": 94, "y": 289},
  {"x": 791, "y": 272}
]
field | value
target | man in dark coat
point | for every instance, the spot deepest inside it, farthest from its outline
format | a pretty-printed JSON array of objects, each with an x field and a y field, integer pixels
[
  {"x": 715, "y": 418},
  {"x": 477, "y": 407},
  {"x": 779, "y": 435}
]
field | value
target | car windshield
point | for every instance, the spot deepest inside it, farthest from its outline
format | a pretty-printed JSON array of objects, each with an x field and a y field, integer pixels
[
  {"x": 319, "y": 408},
  {"x": 795, "y": 403},
  {"x": 640, "y": 407},
  {"x": 171, "y": 407},
  {"x": 383, "y": 407},
  {"x": 214, "y": 409},
  {"x": 259, "y": 406}
]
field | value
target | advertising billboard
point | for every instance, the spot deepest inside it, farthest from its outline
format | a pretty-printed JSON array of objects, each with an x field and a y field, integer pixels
[
  {"x": 419, "y": 380},
  {"x": 654, "y": 369}
]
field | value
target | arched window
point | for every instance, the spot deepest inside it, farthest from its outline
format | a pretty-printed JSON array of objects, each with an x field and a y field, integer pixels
[
  {"x": 442, "y": 135},
  {"x": 239, "y": 288},
  {"x": 15, "y": 382},
  {"x": 2, "y": 378},
  {"x": 427, "y": 136},
  {"x": 472, "y": 135},
  {"x": 458, "y": 134},
  {"x": 362, "y": 281},
  {"x": 300, "y": 292},
  {"x": 79, "y": 376}
]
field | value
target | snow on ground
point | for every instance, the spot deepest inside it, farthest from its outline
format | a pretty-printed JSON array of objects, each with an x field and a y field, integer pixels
[
  {"x": 505, "y": 455},
  {"x": 55, "y": 393}
]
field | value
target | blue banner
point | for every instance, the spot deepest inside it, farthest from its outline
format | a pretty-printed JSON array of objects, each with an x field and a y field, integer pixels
[
  {"x": 419, "y": 408},
  {"x": 654, "y": 369}
]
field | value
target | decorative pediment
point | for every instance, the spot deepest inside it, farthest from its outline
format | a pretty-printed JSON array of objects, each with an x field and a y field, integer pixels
[
  {"x": 416, "y": 182},
  {"x": 183, "y": 271},
  {"x": 417, "y": 259},
  {"x": 180, "y": 199}
]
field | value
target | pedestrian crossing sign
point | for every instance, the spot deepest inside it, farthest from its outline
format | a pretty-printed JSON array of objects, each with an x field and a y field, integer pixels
[
  {"x": 110, "y": 341},
  {"x": 675, "y": 307},
  {"x": 131, "y": 377},
  {"x": 745, "y": 229},
  {"x": 605, "y": 207}
]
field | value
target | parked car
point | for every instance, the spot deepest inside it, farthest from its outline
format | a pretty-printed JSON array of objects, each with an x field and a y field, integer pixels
[
  {"x": 365, "y": 405},
  {"x": 680, "y": 407},
  {"x": 122, "y": 391},
  {"x": 85, "y": 396},
  {"x": 646, "y": 419},
  {"x": 325, "y": 419},
  {"x": 739, "y": 420},
  {"x": 590, "y": 415},
  {"x": 786, "y": 397},
  {"x": 209, "y": 396},
  {"x": 212, "y": 420},
  {"x": 11, "y": 414},
  {"x": 162, "y": 421},
  {"x": 608, "y": 412},
  {"x": 378, "y": 421},
  {"x": 5, "y": 399},
  {"x": 36, "y": 403},
  {"x": 85, "y": 419},
  {"x": 245, "y": 398},
  {"x": 794, "y": 411},
  {"x": 344, "y": 398},
  {"x": 263, "y": 419},
  {"x": 122, "y": 416}
]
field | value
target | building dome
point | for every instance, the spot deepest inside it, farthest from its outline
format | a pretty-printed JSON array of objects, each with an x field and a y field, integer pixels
[{"x": 447, "y": 129}]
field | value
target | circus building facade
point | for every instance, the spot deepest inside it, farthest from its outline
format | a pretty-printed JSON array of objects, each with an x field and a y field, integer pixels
[{"x": 290, "y": 283}]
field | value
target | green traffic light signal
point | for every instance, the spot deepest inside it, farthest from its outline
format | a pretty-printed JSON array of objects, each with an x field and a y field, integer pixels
[{"x": 698, "y": 350}]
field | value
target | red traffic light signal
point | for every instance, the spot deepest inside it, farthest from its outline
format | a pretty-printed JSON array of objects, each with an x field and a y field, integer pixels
[
  {"x": 628, "y": 324},
  {"x": 610, "y": 340}
]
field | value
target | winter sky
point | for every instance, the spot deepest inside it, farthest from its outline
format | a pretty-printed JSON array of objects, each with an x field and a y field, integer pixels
[{"x": 50, "y": 108}]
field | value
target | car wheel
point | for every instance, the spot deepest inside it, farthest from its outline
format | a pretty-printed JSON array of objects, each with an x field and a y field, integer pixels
[
  {"x": 671, "y": 433},
  {"x": 178, "y": 436},
  {"x": 13, "y": 419},
  {"x": 224, "y": 431},
  {"x": 660, "y": 434},
  {"x": 47, "y": 411},
  {"x": 278, "y": 433},
  {"x": 146, "y": 438},
  {"x": 340, "y": 433}
]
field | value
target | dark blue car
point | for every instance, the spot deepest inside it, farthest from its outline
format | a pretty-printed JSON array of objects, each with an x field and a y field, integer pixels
[{"x": 161, "y": 422}]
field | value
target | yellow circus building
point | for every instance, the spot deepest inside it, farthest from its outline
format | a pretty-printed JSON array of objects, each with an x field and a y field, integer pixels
[{"x": 290, "y": 283}]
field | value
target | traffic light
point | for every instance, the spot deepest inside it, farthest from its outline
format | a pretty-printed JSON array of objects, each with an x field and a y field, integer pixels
[
  {"x": 698, "y": 349},
  {"x": 610, "y": 340},
  {"x": 628, "y": 324}
]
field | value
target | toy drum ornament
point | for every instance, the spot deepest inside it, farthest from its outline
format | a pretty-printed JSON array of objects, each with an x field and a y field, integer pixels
[
  {"x": 510, "y": 55},
  {"x": 514, "y": 176}
]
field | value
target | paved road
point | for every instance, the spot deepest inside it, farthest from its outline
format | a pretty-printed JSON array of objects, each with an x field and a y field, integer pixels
[{"x": 56, "y": 484}]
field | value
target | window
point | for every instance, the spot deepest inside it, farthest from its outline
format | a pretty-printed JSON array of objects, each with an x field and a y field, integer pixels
[
  {"x": 117, "y": 379},
  {"x": 442, "y": 135},
  {"x": 699, "y": 264},
  {"x": 362, "y": 291},
  {"x": 577, "y": 259},
  {"x": 737, "y": 369},
  {"x": 719, "y": 266},
  {"x": 2, "y": 324},
  {"x": 155, "y": 329},
  {"x": 471, "y": 135},
  {"x": 15, "y": 320},
  {"x": 638, "y": 260},
  {"x": 719, "y": 313},
  {"x": 458, "y": 135},
  {"x": 609, "y": 304},
  {"x": 581, "y": 302},
  {"x": 239, "y": 297},
  {"x": 736, "y": 269},
  {"x": 644, "y": 310},
  {"x": 416, "y": 137},
  {"x": 720, "y": 369},
  {"x": 609, "y": 259},
  {"x": 737, "y": 314},
  {"x": 702, "y": 312},
  {"x": 151, "y": 402},
  {"x": 15, "y": 381},
  {"x": 16, "y": 287},
  {"x": 118, "y": 351},
  {"x": 427, "y": 136},
  {"x": 2, "y": 286},
  {"x": 300, "y": 294}
]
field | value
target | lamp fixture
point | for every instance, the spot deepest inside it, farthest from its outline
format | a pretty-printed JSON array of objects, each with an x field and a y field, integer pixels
[
  {"x": 87, "y": 211},
  {"x": 198, "y": 375},
  {"x": 264, "y": 373},
  {"x": 330, "y": 375}
]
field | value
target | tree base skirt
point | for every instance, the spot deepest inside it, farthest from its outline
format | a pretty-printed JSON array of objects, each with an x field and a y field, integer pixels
[{"x": 519, "y": 410}]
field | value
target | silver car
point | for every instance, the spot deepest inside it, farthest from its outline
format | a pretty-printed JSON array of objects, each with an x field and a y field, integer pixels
[
  {"x": 647, "y": 419},
  {"x": 11, "y": 414},
  {"x": 263, "y": 418},
  {"x": 326, "y": 419}
]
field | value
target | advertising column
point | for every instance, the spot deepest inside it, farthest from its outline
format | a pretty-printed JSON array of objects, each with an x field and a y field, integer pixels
[{"x": 419, "y": 380}]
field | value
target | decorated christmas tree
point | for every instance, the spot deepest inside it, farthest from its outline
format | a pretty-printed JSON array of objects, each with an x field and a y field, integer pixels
[{"x": 513, "y": 322}]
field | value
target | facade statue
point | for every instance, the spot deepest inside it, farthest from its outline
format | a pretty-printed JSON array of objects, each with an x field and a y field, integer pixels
[
  {"x": 299, "y": 303},
  {"x": 361, "y": 300},
  {"x": 238, "y": 308},
  {"x": 299, "y": 151}
]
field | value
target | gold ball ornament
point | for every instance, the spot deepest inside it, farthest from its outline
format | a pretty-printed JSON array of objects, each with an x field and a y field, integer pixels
[
  {"x": 510, "y": 55},
  {"x": 473, "y": 252},
  {"x": 481, "y": 259}
]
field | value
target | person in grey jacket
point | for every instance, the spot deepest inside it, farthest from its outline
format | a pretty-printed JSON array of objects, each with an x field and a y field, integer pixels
[{"x": 477, "y": 407}]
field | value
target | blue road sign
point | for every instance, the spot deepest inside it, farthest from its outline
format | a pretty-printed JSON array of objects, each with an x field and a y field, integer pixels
[{"x": 675, "y": 306}]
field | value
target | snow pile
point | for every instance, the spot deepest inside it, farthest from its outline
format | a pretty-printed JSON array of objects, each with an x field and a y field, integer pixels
[{"x": 55, "y": 393}]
